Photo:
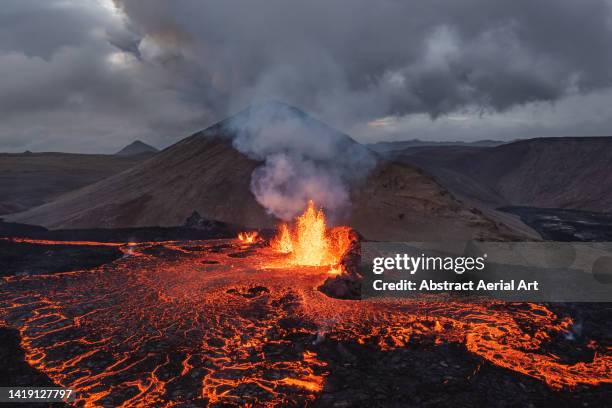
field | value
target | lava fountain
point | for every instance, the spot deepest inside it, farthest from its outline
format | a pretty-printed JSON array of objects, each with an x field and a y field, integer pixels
[
  {"x": 248, "y": 237},
  {"x": 310, "y": 242}
]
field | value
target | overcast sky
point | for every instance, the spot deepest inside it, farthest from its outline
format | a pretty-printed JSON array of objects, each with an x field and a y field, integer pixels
[{"x": 93, "y": 75}]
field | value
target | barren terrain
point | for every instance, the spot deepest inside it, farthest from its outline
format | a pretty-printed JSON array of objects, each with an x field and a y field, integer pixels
[
  {"x": 567, "y": 172},
  {"x": 227, "y": 324},
  {"x": 31, "y": 179}
]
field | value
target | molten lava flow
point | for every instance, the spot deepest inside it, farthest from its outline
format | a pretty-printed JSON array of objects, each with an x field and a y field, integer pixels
[
  {"x": 248, "y": 237},
  {"x": 200, "y": 323},
  {"x": 335, "y": 270},
  {"x": 311, "y": 243},
  {"x": 283, "y": 243}
]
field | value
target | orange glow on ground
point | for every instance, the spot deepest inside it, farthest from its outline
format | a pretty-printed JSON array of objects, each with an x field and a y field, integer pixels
[{"x": 214, "y": 324}]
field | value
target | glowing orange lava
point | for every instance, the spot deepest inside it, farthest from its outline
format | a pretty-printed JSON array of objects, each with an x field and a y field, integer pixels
[
  {"x": 335, "y": 270},
  {"x": 193, "y": 324},
  {"x": 283, "y": 242},
  {"x": 311, "y": 243},
  {"x": 248, "y": 237}
]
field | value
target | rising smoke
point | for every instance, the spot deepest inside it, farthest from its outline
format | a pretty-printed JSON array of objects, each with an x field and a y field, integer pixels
[{"x": 303, "y": 159}]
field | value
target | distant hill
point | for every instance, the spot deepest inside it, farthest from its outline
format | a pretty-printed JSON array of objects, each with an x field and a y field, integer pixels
[
  {"x": 205, "y": 173},
  {"x": 31, "y": 179},
  {"x": 136, "y": 148},
  {"x": 387, "y": 147},
  {"x": 565, "y": 172}
]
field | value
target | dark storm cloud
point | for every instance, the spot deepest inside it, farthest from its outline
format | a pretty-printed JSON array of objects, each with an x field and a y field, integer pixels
[
  {"x": 387, "y": 57},
  {"x": 72, "y": 80},
  {"x": 78, "y": 75}
]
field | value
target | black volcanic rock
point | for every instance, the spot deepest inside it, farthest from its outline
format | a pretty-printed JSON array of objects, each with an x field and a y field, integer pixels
[
  {"x": 196, "y": 221},
  {"x": 146, "y": 234},
  {"x": 19, "y": 258},
  {"x": 342, "y": 287},
  {"x": 15, "y": 370},
  {"x": 348, "y": 284}
]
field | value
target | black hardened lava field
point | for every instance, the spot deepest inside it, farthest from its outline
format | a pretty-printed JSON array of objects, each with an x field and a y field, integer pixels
[{"x": 235, "y": 322}]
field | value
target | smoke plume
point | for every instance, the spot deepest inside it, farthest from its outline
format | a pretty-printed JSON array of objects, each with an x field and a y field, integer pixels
[{"x": 302, "y": 158}]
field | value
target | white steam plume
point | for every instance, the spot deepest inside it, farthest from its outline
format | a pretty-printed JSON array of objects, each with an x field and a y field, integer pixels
[{"x": 303, "y": 159}]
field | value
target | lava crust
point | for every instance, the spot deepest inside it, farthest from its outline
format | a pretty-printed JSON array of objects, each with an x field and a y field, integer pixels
[{"x": 190, "y": 323}]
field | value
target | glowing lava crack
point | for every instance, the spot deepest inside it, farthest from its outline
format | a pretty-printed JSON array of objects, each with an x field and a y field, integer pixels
[{"x": 218, "y": 325}]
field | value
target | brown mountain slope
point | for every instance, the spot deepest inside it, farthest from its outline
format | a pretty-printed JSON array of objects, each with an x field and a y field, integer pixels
[
  {"x": 549, "y": 172},
  {"x": 400, "y": 203},
  {"x": 205, "y": 173},
  {"x": 31, "y": 179},
  {"x": 199, "y": 173}
]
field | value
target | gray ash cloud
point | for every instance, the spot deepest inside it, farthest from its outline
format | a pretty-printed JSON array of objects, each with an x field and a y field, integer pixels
[{"x": 84, "y": 75}]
